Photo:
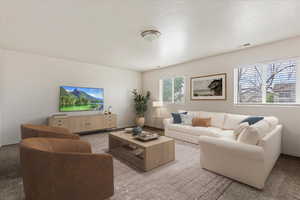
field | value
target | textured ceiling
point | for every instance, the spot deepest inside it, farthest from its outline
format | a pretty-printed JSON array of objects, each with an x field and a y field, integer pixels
[{"x": 107, "y": 32}]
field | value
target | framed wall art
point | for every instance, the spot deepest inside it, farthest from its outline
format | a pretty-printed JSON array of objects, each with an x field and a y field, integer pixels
[{"x": 210, "y": 87}]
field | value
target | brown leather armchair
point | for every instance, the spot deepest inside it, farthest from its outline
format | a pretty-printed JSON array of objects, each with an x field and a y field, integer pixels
[
  {"x": 30, "y": 130},
  {"x": 56, "y": 169}
]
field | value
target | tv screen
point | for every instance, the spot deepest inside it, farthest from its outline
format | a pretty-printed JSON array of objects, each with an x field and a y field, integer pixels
[{"x": 80, "y": 99}]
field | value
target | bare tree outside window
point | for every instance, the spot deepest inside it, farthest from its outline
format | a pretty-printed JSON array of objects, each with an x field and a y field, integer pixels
[
  {"x": 250, "y": 83},
  {"x": 274, "y": 82}
]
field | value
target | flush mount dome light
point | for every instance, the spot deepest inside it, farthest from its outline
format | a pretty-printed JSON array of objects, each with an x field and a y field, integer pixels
[
  {"x": 150, "y": 35},
  {"x": 246, "y": 45}
]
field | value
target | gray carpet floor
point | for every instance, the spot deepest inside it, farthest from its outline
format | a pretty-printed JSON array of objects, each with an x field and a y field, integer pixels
[{"x": 182, "y": 179}]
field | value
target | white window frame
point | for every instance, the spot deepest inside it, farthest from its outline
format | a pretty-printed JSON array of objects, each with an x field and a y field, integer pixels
[
  {"x": 236, "y": 85},
  {"x": 161, "y": 90}
]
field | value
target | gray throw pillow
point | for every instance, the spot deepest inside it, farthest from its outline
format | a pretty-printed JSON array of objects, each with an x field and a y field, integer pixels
[{"x": 186, "y": 119}]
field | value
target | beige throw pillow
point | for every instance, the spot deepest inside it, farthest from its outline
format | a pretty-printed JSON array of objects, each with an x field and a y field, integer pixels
[{"x": 203, "y": 122}]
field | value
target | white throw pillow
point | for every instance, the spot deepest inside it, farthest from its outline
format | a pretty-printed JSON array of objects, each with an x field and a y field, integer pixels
[
  {"x": 186, "y": 119},
  {"x": 182, "y": 111},
  {"x": 240, "y": 128},
  {"x": 233, "y": 121},
  {"x": 249, "y": 135},
  {"x": 273, "y": 121},
  {"x": 263, "y": 127},
  {"x": 194, "y": 113}
]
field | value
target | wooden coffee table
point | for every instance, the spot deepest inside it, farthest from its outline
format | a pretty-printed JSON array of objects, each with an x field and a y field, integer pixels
[{"x": 143, "y": 155}]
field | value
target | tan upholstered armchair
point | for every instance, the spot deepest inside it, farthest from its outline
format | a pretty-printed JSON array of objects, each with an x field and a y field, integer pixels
[
  {"x": 56, "y": 169},
  {"x": 30, "y": 130}
]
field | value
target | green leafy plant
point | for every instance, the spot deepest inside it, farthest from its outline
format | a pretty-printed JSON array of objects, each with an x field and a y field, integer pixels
[{"x": 140, "y": 102}]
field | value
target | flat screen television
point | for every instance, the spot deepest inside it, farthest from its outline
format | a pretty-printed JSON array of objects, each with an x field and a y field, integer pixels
[{"x": 80, "y": 99}]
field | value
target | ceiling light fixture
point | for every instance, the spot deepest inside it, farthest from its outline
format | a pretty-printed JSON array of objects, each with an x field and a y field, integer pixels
[
  {"x": 246, "y": 45},
  {"x": 150, "y": 35}
]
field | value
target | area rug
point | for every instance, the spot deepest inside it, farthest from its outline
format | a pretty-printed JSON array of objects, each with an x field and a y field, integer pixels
[
  {"x": 182, "y": 179},
  {"x": 179, "y": 180}
]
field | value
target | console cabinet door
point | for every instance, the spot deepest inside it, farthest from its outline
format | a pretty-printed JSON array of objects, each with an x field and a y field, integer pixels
[
  {"x": 110, "y": 121},
  {"x": 113, "y": 121},
  {"x": 98, "y": 122},
  {"x": 77, "y": 124},
  {"x": 63, "y": 123},
  {"x": 88, "y": 123}
]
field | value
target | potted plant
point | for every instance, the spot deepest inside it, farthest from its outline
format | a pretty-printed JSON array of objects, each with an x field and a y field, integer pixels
[{"x": 140, "y": 105}]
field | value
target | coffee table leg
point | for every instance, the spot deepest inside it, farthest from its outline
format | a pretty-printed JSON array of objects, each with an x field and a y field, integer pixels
[{"x": 113, "y": 143}]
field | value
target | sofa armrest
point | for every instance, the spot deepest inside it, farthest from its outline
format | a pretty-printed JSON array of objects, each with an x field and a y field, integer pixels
[
  {"x": 242, "y": 162},
  {"x": 221, "y": 146},
  {"x": 82, "y": 175},
  {"x": 272, "y": 139},
  {"x": 167, "y": 122},
  {"x": 271, "y": 144}
]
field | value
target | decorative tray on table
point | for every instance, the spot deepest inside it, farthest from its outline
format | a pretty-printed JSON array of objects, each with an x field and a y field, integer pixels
[{"x": 147, "y": 136}]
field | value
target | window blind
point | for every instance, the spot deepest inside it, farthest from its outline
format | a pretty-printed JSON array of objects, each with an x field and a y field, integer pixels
[{"x": 274, "y": 82}]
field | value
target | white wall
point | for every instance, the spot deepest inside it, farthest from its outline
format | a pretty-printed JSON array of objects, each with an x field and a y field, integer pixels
[
  {"x": 1, "y": 86},
  {"x": 30, "y": 88},
  {"x": 289, "y": 116}
]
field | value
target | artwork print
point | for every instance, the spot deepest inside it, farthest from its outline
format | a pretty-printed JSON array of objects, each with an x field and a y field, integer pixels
[{"x": 211, "y": 87}]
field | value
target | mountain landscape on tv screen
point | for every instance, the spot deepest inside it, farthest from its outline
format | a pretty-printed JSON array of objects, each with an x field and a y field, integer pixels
[{"x": 80, "y": 99}]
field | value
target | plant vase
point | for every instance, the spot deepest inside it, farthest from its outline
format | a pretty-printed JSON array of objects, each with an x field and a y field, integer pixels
[{"x": 140, "y": 121}]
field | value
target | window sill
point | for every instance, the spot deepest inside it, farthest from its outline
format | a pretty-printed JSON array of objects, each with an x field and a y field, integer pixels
[
  {"x": 267, "y": 105},
  {"x": 170, "y": 103}
]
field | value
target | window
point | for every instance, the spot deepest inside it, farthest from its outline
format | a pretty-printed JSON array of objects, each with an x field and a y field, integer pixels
[
  {"x": 167, "y": 90},
  {"x": 268, "y": 83},
  {"x": 172, "y": 90}
]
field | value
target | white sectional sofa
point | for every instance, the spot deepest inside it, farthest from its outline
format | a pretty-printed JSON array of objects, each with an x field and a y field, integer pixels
[{"x": 221, "y": 152}]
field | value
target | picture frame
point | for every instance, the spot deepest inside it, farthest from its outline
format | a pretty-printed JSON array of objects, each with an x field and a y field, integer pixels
[{"x": 208, "y": 87}]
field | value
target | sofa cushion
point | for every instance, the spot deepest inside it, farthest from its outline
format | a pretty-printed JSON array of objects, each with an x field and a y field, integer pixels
[
  {"x": 182, "y": 111},
  {"x": 227, "y": 135},
  {"x": 273, "y": 121},
  {"x": 196, "y": 131},
  {"x": 255, "y": 132},
  {"x": 194, "y": 113},
  {"x": 240, "y": 128},
  {"x": 217, "y": 119},
  {"x": 263, "y": 127},
  {"x": 249, "y": 135},
  {"x": 203, "y": 122},
  {"x": 233, "y": 121}
]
